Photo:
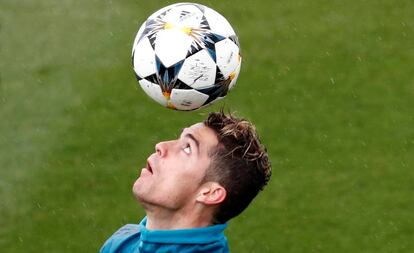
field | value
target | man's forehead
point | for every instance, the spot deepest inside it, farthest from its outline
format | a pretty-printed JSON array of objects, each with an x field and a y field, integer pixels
[
  {"x": 201, "y": 132},
  {"x": 191, "y": 128},
  {"x": 196, "y": 126}
]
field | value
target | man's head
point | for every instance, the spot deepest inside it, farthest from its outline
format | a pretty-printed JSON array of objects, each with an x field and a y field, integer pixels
[{"x": 214, "y": 167}]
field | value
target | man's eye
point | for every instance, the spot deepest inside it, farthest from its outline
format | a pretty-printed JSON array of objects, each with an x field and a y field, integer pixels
[{"x": 187, "y": 149}]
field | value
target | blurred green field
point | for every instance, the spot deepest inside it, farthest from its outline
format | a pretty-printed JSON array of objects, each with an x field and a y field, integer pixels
[{"x": 329, "y": 85}]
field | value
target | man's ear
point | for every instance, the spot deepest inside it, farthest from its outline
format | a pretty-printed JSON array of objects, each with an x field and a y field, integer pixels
[{"x": 211, "y": 193}]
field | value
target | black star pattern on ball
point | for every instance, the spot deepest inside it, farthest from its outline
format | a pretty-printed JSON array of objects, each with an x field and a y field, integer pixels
[
  {"x": 203, "y": 38},
  {"x": 167, "y": 78}
]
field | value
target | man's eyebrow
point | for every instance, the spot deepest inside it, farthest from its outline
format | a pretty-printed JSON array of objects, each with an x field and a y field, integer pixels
[{"x": 189, "y": 135}]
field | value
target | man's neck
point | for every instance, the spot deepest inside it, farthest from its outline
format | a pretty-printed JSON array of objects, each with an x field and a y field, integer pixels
[{"x": 167, "y": 220}]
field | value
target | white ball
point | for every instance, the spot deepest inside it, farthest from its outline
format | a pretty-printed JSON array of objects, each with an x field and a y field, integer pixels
[{"x": 186, "y": 56}]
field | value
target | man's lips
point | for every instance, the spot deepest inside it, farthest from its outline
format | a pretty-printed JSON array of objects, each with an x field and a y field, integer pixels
[{"x": 149, "y": 167}]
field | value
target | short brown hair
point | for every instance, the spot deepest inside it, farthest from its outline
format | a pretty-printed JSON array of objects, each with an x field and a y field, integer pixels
[{"x": 239, "y": 163}]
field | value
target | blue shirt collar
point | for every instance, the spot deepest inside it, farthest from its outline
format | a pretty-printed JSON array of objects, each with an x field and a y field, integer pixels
[{"x": 183, "y": 236}]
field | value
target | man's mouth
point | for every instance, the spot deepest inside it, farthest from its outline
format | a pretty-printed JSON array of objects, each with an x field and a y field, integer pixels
[{"x": 148, "y": 167}]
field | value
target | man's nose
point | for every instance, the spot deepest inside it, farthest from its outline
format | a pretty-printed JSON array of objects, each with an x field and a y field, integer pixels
[{"x": 161, "y": 148}]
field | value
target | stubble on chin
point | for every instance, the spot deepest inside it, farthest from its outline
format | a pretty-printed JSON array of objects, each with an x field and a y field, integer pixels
[{"x": 136, "y": 189}]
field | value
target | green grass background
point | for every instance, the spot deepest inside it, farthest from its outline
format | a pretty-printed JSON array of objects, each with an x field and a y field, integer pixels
[{"x": 328, "y": 83}]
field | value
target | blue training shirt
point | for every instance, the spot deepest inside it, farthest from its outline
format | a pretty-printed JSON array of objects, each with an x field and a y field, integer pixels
[{"x": 134, "y": 238}]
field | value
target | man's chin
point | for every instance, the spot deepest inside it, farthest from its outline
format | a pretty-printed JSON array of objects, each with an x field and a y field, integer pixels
[
  {"x": 137, "y": 186},
  {"x": 139, "y": 193}
]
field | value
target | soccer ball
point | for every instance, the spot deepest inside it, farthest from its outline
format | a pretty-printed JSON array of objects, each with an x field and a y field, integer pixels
[{"x": 186, "y": 56}]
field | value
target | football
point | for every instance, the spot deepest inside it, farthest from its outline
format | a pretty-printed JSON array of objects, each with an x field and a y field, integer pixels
[{"x": 186, "y": 56}]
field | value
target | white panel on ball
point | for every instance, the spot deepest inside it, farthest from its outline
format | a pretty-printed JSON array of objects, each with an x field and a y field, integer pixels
[
  {"x": 218, "y": 23},
  {"x": 233, "y": 82},
  {"x": 153, "y": 91},
  {"x": 227, "y": 56},
  {"x": 159, "y": 12},
  {"x": 187, "y": 99},
  {"x": 171, "y": 46},
  {"x": 141, "y": 29},
  {"x": 144, "y": 59},
  {"x": 184, "y": 15},
  {"x": 198, "y": 70}
]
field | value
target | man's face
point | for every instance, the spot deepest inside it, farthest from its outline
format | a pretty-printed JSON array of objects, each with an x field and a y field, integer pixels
[{"x": 174, "y": 173}]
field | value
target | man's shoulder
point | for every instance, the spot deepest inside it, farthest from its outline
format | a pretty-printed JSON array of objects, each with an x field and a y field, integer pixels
[
  {"x": 124, "y": 237},
  {"x": 128, "y": 230}
]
